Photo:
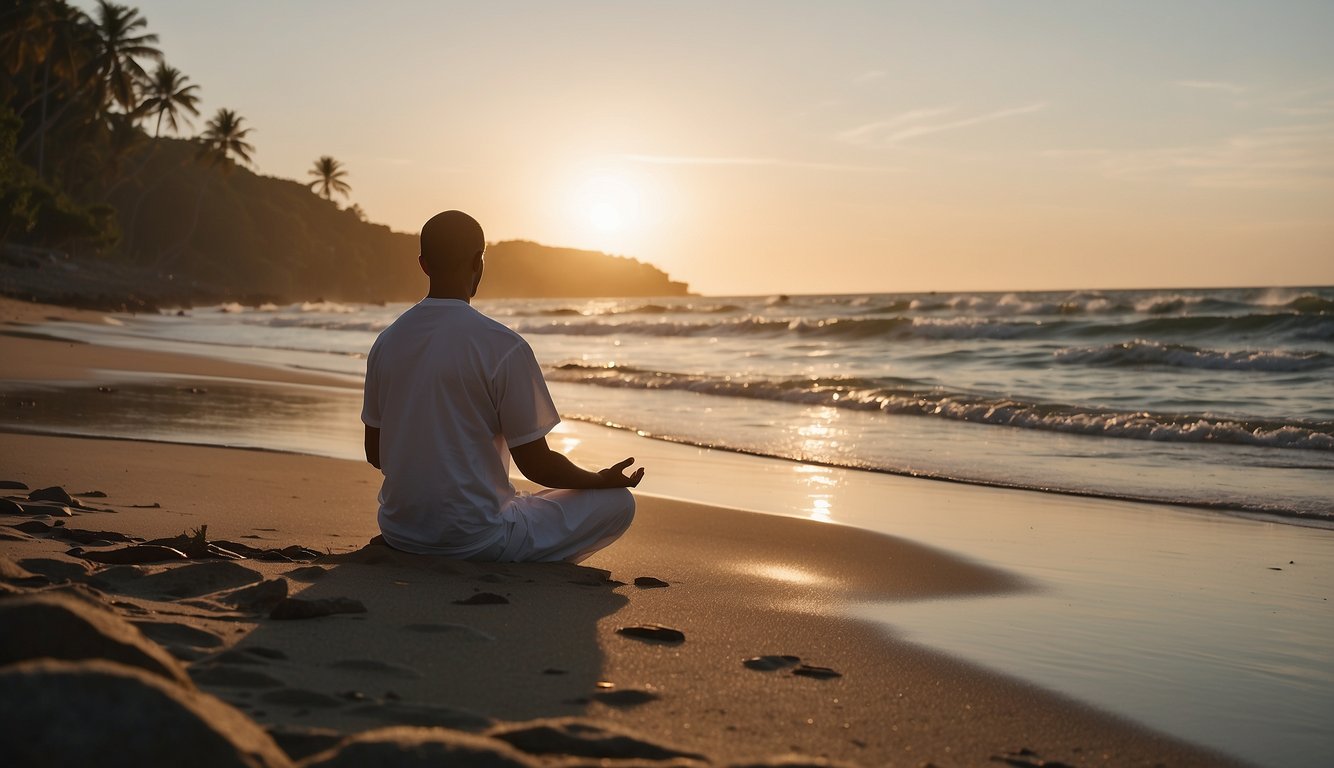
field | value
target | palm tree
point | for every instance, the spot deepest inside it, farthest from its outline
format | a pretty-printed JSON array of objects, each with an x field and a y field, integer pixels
[
  {"x": 329, "y": 175},
  {"x": 223, "y": 137},
  {"x": 168, "y": 96},
  {"x": 119, "y": 46}
]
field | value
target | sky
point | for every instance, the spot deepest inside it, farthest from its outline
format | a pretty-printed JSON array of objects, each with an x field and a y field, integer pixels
[{"x": 811, "y": 147}]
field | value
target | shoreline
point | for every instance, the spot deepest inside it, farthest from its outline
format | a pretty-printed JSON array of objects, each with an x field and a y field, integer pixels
[
  {"x": 741, "y": 586},
  {"x": 952, "y": 518}
]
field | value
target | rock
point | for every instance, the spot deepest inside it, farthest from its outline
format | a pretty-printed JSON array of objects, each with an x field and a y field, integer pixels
[
  {"x": 43, "y": 508},
  {"x": 648, "y": 582},
  {"x": 819, "y": 673},
  {"x": 54, "y": 493},
  {"x": 296, "y": 608},
  {"x": 32, "y": 526},
  {"x": 258, "y": 598},
  {"x": 483, "y": 598},
  {"x": 581, "y": 739},
  {"x": 63, "y": 627},
  {"x": 94, "y": 494},
  {"x": 10, "y": 507},
  {"x": 106, "y": 714},
  {"x": 771, "y": 663},
  {"x": 419, "y": 748},
  {"x": 13, "y": 485},
  {"x": 653, "y": 632},
  {"x": 135, "y": 555},
  {"x": 197, "y": 579}
]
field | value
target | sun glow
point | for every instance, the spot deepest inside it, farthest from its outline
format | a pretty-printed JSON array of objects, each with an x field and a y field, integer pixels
[{"x": 609, "y": 206}]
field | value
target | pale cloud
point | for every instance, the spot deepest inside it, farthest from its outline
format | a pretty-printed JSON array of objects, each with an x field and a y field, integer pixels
[
  {"x": 870, "y": 76},
  {"x": 754, "y": 161},
  {"x": 1281, "y": 156},
  {"x": 923, "y": 122},
  {"x": 1209, "y": 85}
]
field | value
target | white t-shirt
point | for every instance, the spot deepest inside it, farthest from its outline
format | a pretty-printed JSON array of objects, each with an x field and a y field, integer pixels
[{"x": 449, "y": 389}]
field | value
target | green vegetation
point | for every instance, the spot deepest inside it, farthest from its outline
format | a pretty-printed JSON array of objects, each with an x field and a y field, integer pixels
[{"x": 94, "y": 209}]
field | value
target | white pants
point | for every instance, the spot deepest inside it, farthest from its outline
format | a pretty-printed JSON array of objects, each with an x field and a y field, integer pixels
[{"x": 560, "y": 525}]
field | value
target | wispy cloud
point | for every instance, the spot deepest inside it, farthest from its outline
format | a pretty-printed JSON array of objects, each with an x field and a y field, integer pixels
[
  {"x": 755, "y": 161},
  {"x": 870, "y": 76},
  {"x": 923, "y": 122},
  {"x": 1280, "y": 156},
  {"x": 1209, "y": 85}
]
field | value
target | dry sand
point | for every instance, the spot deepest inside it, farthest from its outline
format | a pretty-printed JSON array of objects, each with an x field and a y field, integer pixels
[{"x": 739, "y": 585}]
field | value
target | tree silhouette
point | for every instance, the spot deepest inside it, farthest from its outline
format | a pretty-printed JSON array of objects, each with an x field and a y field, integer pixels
[
  {"x": 223, "y": 137},
  {"x": 120, "y": 45},
  {"x": 329, "y": 176},
  {"x": 168, "y": 96}
]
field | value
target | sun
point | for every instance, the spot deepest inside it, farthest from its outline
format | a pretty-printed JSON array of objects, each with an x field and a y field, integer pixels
[
  {"x": 609, "y": 204},
  {"x": 606, "y": 216}
]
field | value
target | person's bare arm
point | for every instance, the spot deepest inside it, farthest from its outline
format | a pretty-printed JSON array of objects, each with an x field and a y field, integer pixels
[
  {"x": 373, "y": 446},
  {"x": 552, "y": 469}
]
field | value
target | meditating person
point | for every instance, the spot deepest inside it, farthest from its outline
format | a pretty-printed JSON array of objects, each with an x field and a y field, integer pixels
[{"x": 450, "y": 395}]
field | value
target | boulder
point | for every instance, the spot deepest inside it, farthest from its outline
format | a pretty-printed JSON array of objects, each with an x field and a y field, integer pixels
[{"x": 106, "y": 714}]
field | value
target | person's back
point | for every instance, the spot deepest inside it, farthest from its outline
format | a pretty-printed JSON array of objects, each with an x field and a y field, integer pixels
[
  {"x": 450, "y": 396},
  {"x": 440, "y": 371}
]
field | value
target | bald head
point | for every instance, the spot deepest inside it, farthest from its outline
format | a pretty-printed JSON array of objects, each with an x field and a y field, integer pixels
[{"x": 450, "y": 241}]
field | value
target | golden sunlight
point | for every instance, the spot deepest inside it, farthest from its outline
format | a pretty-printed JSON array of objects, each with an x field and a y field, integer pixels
[{"x": 607, "y": 204}]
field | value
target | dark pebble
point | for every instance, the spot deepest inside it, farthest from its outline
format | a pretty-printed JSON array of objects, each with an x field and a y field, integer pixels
[
  {"x": 819, "y": 673},
  {"x": 554, "y": 671},
  {"x": 93, "y": 494},
  {"x": 483, "y": 598},
  {"x": 771, "y": 663},
  {"x": 8, "y": 507},
  {"x": 648, "y": 582},
  {"x": 653, "y": 632},
  {"x": 13, "y": 485}
]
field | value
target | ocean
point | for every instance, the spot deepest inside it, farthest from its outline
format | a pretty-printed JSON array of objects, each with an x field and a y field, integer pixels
[{"x": 1216, "y": 399}]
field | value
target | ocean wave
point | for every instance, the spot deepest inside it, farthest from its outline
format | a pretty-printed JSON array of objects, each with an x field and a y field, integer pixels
[
  {"x": 898, "y": 396},
  {"x": 321, "y": 323},
  {"x": 614, "y": 311},
  {"x": 1141, "y": 352},
  {"x": 901, "y": 327}
]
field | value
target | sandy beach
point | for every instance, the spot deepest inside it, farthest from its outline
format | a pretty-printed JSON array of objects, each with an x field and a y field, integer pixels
[{"x": 492, "y": 648}]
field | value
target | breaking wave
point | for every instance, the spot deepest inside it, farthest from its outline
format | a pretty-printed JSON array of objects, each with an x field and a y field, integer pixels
[
  {"x": 1141, "y": 352},
  {"x": 900, "y": 396}
]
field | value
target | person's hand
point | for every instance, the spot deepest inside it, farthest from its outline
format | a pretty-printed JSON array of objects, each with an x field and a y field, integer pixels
[{"x": 615, "y": 477}]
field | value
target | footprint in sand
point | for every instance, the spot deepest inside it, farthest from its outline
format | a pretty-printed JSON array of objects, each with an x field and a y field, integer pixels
[
  {"x": 628, "y": 697},
  {"x": 300, "y": 697},
  {"x": 483, "y": 598},
  {"x": 233, "y": 677},
  {"x": 457, "y": 630},
  {"x": 173, "y": 633},
  {"x": 377, "y": 666}
]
